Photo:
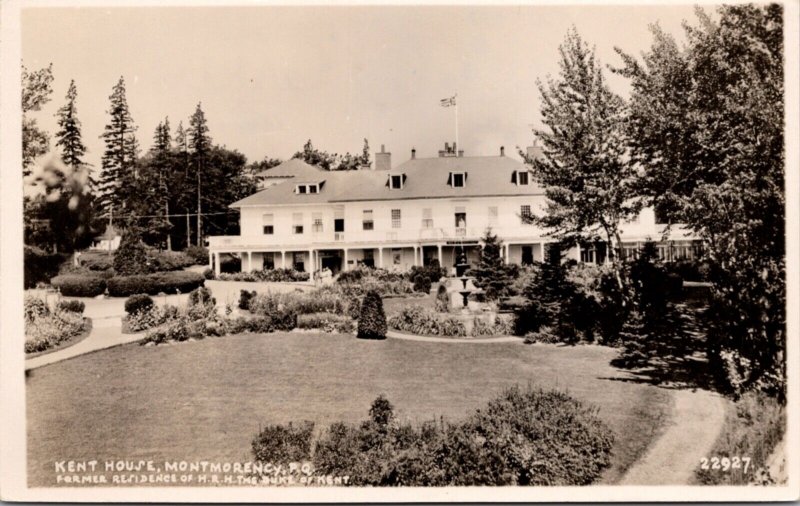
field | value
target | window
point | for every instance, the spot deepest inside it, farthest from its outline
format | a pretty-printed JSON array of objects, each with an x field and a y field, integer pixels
[
  {"x": 525, "y": 213},
  {"x": 396, "y": 181},
  {"x": 299, "y": 261},
  {"x": 268, "y": 225},
  {"x": 395, "y": 218},
  {"x": 492, "y": 216},
  {"x": 312, "y": 188},
  {"x": 297, "y": 223},
  {"x": 397, "y": 256},
  {"x": 461, "y": 217},
  {"x": 269, "y": 261},
  {"x": 522, "y": 178},
  {"x": 316, "y": 223},
  {"x": 427, "y": 218},
  {"x": 367, "y": 222},
  {"x": 369, "y": 258},
  {"x": 301, "y": 188},
  {"x": 458, "y": 179}
]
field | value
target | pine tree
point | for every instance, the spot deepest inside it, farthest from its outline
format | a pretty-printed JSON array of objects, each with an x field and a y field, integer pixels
[
  {"x": 182, "y": 148},
  {"x": 492, "y": 274},
  {"x": 199, "y": 145},
  {"x": 119, "y": 169},
  {"x": 69, "y": 133}
]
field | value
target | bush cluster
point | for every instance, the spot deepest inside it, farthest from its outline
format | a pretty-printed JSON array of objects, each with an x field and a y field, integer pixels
[
  {"x": 39, "y": 266},
  {"x": 151, "y": 317},
  {"x": 498, "y": 327},
  {"x": 245, "y": 297},
  {"x": 138, "y": 303},
  {"x": 433, "y": 271},
  {"x": 74, "y": 306},
  {"x": 420, "y": 320},
  {"x": 267, "y": 275},
  {"x": 77, "y": 285},
  {"x": 442, "y": 299},
  {"x": 326, "y": 322},
  {"x": 512, "y": 441},
  {"x": 371, "y": 317},
  {"x": 363, "y": 279},
  {"x": 153, "y": 284},
  {"x": 198, "y": 254}
]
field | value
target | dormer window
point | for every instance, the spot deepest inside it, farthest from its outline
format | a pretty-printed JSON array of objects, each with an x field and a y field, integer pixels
[
  {"x": 457, "y": 179},
  {"x": 396, "y": 181},
  {"x": 304, "y": 188},
  {"x": 521, "y": 177}
]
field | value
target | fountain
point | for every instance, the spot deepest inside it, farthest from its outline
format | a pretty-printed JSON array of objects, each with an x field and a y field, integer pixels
[{"x": 467, "y": 286}]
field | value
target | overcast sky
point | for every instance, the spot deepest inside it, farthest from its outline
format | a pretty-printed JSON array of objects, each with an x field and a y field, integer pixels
[{"x": 271, "y": 77}]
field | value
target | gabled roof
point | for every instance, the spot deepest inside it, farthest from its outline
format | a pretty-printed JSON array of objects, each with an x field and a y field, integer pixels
[{"x": 425, "y": 178}]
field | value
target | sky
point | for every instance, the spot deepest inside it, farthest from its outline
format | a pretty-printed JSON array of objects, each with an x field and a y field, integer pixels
[{"x": 271, "y": 77}]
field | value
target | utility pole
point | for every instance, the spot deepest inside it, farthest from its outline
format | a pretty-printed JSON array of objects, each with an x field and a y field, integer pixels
[
  {"x": 188, "y": 231},
  {"x": 199, "y": 216}
]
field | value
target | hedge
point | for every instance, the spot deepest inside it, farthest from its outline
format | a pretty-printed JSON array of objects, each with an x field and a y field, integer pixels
[
  {"x": 76, "y": 285},
  {"x": 152, "y": 284}
]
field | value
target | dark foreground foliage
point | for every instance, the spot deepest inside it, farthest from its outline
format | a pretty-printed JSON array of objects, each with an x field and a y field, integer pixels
[{"x": 523, "y": 437}]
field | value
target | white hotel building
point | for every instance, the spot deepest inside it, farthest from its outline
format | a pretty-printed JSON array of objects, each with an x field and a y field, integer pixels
[{"x": 395, "y": 217}]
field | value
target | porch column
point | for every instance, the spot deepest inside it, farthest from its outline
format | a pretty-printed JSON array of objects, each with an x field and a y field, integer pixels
[
  {"x": 283, "y": 259},
  {"x": 249, "y": 261},
  {"x": 544, "y": 252},
  {"x": 311, "y": 265},
  {"x": 344, "y": 267},
  {"x": 380, "y": 258},
  {"x": 439, "y": 251},
  {"x": 216, "y": 263},
  {"x": 578, "y": 252},
  {"x": 210, "y": 260}
]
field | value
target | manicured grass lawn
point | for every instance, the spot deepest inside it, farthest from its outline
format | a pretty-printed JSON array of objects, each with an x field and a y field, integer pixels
[{"x": 206, "y": 400}]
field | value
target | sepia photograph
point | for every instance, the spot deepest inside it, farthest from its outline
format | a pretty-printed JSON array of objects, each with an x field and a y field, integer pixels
[{"x": 340, "y": 252}]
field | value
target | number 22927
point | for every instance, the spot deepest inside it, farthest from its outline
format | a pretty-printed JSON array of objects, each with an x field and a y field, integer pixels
[{"x": 725, "y": 464}]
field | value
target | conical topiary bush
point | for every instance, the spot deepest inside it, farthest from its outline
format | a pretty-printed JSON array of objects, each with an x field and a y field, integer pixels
[{"x": 371, "y": 318}]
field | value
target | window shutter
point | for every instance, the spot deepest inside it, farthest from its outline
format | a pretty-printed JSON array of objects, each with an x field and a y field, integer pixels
[{"x": 514, "y": 177}]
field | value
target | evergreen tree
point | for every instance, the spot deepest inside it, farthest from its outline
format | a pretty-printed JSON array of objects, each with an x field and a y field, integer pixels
[
  {"x": 119, "y": 170},
  {"x": 69, "y": 133},
  {"x": 371, "y": 317},
  {"x": 587, "y": 177},
  {"x": 492, "y": 274},
  {"x": 199, "y": 146}
]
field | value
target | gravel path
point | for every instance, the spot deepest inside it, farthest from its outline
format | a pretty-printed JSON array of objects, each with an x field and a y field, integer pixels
[{"x": 690, "y": 435}]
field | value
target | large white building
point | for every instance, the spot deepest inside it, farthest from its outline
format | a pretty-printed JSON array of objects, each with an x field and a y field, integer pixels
[{"x": 396, "y": 217}]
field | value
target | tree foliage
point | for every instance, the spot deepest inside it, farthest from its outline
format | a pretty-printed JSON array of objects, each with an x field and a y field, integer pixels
[
  {"x": 334, "y": 161},
  {"x": 584, "y": 170},
  {"x": 491, "y": 273},
  {"x": 36, "y": 91},
  {"x": 119, "y": 162},
  {"x": 706, "y": 128}
]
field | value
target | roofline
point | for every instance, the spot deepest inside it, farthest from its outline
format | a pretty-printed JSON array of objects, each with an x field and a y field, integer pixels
[{"x": 448, "y": 197}]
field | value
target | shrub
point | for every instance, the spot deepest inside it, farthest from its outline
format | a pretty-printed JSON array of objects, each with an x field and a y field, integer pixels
[
  {"x": 39, "y": 266},
  {"x": 279, "y": 444},
  {"x": 245, "y": 297},
  {"x": 544, "y": 335},
  {"x": 99, "y": 262},
  {"x": 35, "y": 308},
  {"x": 151, "y": 317},
  {"x": 496, "y": 327},
  {"x": 420, "y": 320},
  {"x": 174, "y": 331},
  {"x": 201, "y": 304},
  {"x": 153, "y": 284},
  {"x": 208, "y": 273},
  {"x": 168, "y": 260},
  {"x": 433, "y": 271},
  {"x": 131, "y": 257},
  {"x": 76, "y": 285},
  {"x": 492, "y": 274},
  {"x": 269, "y": 275},
  {"x": 371, "y": 318},
  {"x": 442, "y": 299},
  {"x": 230, "y": 264},
  {"x": 422, "y": 283},
  {"x": 73, "y": 306},
  {"x": 198, "y": 254},
  {"x": 138, "y": 303}
]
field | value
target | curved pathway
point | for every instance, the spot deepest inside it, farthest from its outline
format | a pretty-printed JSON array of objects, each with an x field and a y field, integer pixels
[
  {"x": 696, "y": 421},
  {"x": 106, "y": 332}
]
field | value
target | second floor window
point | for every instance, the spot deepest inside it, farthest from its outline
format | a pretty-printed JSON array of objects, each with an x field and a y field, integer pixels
[
  {"x": 395, "y": 218},
  {"x": 316, "y": 225},
  {"x": 297, "y": 223},
  {"x": 367, "y": 222},
  {"x": 492, "y": 216},
  {"x": 427, "y": 218},
  {"x": 523, "y": 178},
  {"x": 525, "y": 213},
  {"x": 268, "y": 226}
]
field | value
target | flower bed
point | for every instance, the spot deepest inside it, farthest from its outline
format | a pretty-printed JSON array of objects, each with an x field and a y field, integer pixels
[
  {"x": 422, "y": 321},
  {"x": 326, "y": 322},
  {"x": 45, "y": 329}
]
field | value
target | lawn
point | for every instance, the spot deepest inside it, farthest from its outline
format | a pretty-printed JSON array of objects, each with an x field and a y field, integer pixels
[{"x": 206, "y": 400}]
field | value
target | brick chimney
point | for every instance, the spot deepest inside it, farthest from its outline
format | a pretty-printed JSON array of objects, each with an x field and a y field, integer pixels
[
  {"x": 413, "y": 153},
  {"x": 502, "y": 151},
  {"x": 383, "y": 160},
  {"x": 449, "y": 151}
]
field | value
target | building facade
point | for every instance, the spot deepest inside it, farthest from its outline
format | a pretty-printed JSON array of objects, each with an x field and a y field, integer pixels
[{"x": 396, "y": 217}]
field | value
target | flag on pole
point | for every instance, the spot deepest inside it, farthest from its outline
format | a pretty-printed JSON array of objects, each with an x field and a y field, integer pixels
[{"x": 447, "y": 102}]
